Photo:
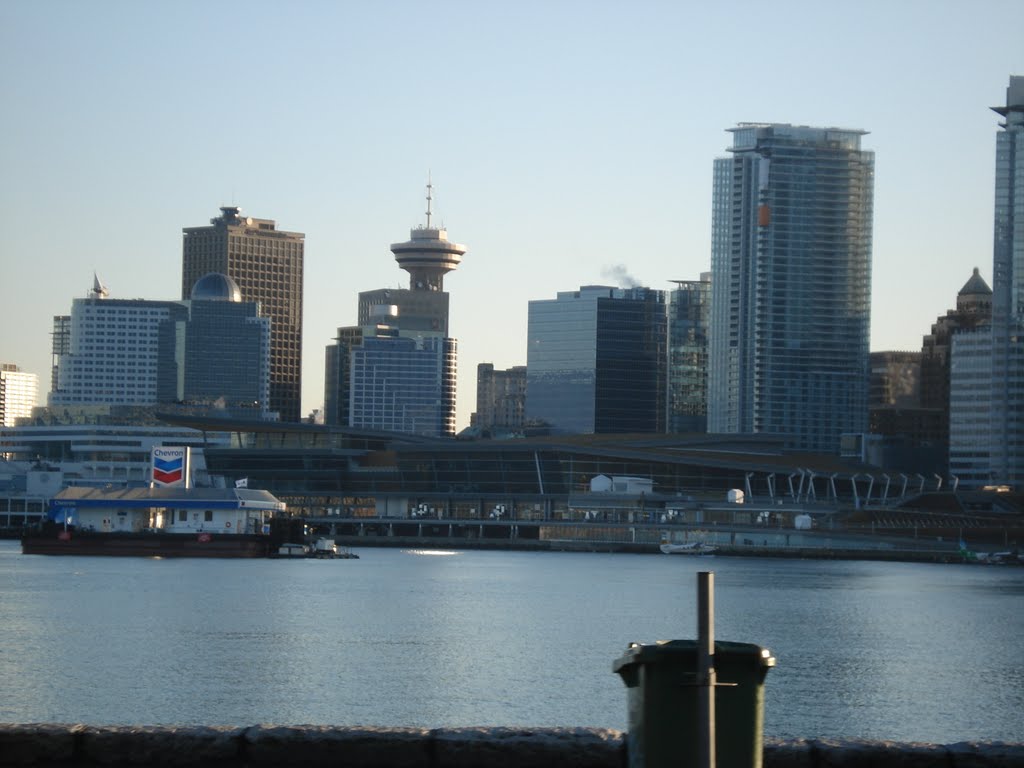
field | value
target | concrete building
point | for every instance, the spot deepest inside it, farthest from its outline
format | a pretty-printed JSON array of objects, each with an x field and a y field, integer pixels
[
  {"x": 986, "y": 431},
  {"x": 689, "y": 315},
  {"x": 500, "y": 398},
  {"x": 596, "y": 361},
  {"x": 267, "y": 265},
  {"x": 396, "y": 370},
  {"x": 213, "y": 350},
  {"x": 18, "y": 392},
  {"x": 791, "y": 284}
]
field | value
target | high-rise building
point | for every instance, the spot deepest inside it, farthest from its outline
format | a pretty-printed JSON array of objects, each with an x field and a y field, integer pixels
[
  {"x": 689, "y": 305},
  {"x": 18, "y": 393},
  {"x": 500, "y": 397},
  {"x": 267, "y": 265},
  {"x": 596, "y": 360},
  {"x": 791, "y": 284},
  {"x": 60, "y": 344},
  {"x": 986, "y": 431},
  {"x": 396, "y": 369},
  {"x": 213, "y": 350}
]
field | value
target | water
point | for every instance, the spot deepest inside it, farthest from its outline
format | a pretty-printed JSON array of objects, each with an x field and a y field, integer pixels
[{"x": 910, "y": 652}]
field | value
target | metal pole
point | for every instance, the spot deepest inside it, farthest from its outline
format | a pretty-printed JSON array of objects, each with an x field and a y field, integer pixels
[{"x": 706, "y": 668}]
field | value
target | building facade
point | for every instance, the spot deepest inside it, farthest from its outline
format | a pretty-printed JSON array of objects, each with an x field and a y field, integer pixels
[
  {"x": 596, "y": 361},
  {"x": 18, "y": 393},
  {"x": 267, "y": 265},
  {"x": 213, "y": 350},
  {"x": 1007, "y": 421},
  {"x": 791, "y": 284},
  {"x": 396, "y": 370},
  {"x": 986, "y": 431},
  {"x": 689, "y": 314},
  {"x": 500, "y": 397}
]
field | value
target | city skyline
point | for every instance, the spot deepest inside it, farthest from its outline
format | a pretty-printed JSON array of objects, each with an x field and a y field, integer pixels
[{"x": 569, "y": 145}]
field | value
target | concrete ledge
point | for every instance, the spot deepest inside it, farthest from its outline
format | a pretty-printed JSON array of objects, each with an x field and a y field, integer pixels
[{"x": 79, "y": 746}]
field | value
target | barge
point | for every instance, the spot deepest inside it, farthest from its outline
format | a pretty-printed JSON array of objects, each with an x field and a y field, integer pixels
[{"x": 161, "y": 522}]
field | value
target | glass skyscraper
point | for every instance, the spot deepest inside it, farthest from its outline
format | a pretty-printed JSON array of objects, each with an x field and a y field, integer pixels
[
  {"x": 596, "y": 360},
  {"x": 267, "y": 265},
  {"x": 791, "y": 285},
  {"x": 987, "y": 412}
]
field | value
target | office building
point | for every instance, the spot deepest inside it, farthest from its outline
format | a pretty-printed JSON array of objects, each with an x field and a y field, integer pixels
[
  {"x": 267, "y": 265},
  {"x": 1007, "y": 421},
  {"x": 689, "y": 305},
  {"x": 225, "y": 346},
  {"x": 500, "y": 398},
  {"x": 986, "y": 430},
  {"x": 791, "y": 285},
  {"x": 396, "y": 369},
  {"x": 596, "y": 361},
  {"x": 213, "y": 350},
  {"x": 18, "y": 392},
  {"x": 60, "y": 344}
]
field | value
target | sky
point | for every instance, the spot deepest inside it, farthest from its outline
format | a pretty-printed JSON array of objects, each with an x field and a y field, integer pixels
[{"x": 569, "y": 143}]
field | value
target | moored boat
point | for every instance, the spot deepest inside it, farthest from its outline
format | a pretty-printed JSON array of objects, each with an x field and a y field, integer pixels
[{"x": 689, "y": 548}]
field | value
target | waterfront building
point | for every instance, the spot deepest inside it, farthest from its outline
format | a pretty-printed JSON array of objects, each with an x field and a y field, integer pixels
[
  {"x": 87, "y": 446},
  {"x": 986, "y": 432},
  {"x": 115, "y": 354},
  {"x": 396, "y": 369},
  {"x": 18, "y": 392},
  {"x": 596, "y": 361},
  {"x": 791, "y": 284},
  {"x": 689, "y": 306},
  {"x": 212, "y": 350},
  {"x": 500, "y": 398},
  {"x": 267, "y": 265},
  {"x": 227, "y": 348}
]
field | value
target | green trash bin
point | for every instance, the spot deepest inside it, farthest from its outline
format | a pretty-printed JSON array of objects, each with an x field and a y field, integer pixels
[{"x": 663, "y": 703}]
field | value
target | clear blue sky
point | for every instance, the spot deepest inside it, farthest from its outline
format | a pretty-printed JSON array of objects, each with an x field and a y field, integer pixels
[{"x": 566, "y": 140}]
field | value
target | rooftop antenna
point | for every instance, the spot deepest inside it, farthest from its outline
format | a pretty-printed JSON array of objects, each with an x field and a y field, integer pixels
[{"x": 430, "y": 198}]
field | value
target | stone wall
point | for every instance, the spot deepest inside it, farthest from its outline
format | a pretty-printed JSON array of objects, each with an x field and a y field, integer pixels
[{"x": 66, "y": 746}]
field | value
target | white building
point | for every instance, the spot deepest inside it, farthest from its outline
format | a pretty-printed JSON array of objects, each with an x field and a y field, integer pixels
[{"x": 18, "y": 393}]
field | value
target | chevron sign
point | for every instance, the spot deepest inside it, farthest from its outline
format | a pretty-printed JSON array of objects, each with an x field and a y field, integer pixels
[{"x": 171, "y": 467}]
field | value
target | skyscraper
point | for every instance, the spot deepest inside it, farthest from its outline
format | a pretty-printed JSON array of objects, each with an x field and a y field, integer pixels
[
  {"x": 18, "y": 392},
  {"x": 396, "y": 369},
  {"x": 267, "y": 265},
  {"x": 987, "y": 369},
  {"x": 791, "y": 284},
  {"x": 1008, "y": 293},
  {"x": 213, "y": 350},
  {"x": 595, "y": 361}
]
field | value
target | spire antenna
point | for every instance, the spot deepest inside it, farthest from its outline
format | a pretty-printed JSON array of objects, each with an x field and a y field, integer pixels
[{"x": 430, "y": 199}]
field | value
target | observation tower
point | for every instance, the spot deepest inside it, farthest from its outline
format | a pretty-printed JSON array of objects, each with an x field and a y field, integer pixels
[{"x": 428, "y": 255}]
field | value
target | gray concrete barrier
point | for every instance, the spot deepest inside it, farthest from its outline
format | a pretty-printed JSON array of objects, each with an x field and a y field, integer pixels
[{"x": 67, "y": 746}]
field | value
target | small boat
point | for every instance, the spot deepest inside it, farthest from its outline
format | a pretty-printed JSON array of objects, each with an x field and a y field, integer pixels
[
  {"x": 690, "y": 548},
  {"x": 293, "y": 550}
]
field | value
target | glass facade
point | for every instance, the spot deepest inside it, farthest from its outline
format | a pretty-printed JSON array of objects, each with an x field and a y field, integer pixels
[
  {"x": 996, "y": 409},
  {"x": 227, "y": 355},
  {"x": 791, "y": 275},
  {"x": 403, "y": 384},
  {"x": 267, "y": 265},
  {"x": 596, "y": 361}
]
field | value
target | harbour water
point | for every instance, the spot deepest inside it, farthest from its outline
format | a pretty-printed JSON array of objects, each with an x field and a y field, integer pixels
[{"x": 903, "y": 651}]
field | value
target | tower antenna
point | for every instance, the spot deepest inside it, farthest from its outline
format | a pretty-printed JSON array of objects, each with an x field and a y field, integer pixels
[{"x": 430, "y": 198}]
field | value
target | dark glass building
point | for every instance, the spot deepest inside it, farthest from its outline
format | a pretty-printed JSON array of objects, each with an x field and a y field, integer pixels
[
  {"x": 596, "y": 361},
  {"x": 688, "y": 318}
]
